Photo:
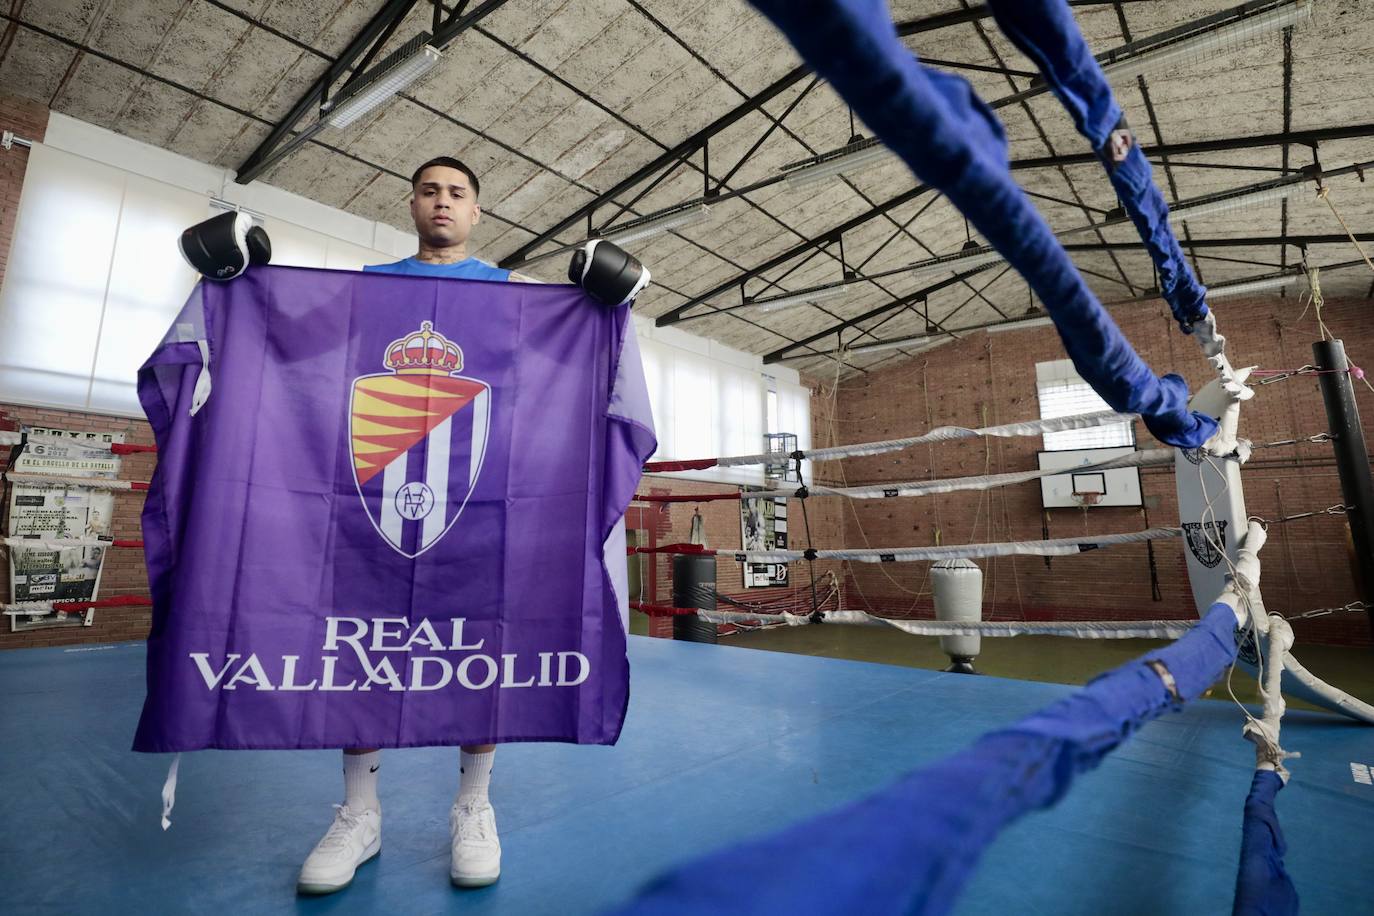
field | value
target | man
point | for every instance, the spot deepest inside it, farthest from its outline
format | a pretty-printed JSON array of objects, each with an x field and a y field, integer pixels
[{"x": 445, "y": 207}]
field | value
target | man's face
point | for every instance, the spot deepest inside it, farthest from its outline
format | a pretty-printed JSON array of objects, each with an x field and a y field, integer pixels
[{"x": 444, "y": 207}]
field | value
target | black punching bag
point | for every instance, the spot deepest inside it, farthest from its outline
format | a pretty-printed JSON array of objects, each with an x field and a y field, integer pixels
[{"x": 694, "y": 585}]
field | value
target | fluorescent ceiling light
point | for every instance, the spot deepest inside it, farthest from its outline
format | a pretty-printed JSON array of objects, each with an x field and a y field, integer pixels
[
  {"x": 849, "y": 158},
  {"x": 1252, "y": 286},
  {"x": 401, "y": 68},
  {"x": 956, "y": 263},
  {"x": 805, "y": 297},
  {"x": 1236, "y": 202},
  {"x": 918, "y": 342},
  {"x": 935, "y": 266},
  {"x": 1212, "y": 41},
  {"x": 678, "y": 217},
  {"x": 1021, "y": 325}
]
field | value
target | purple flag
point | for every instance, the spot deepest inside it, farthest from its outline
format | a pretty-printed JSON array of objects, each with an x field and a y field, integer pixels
[{"x": 380, "y": 511}]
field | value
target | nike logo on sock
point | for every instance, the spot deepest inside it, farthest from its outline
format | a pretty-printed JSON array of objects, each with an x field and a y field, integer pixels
[{"x": 375, "y": 769}]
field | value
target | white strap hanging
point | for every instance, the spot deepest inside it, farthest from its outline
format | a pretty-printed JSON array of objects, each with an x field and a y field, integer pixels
[
  {"x": 202, "y": 392},
  {"x": 169, "y": 792}
]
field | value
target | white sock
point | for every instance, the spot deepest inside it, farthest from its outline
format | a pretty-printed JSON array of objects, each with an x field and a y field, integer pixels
[
  {"x": 474, "y": 776},
  {"x": 360, "y": 780}
]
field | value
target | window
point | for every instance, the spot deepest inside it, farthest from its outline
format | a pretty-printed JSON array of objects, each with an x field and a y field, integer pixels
[
  {"x": 792, "y": 415},
  {"x": 708, "y": 400},
  {"x": 1063, "y": 393},
  {"x": 94, "y": 277}
]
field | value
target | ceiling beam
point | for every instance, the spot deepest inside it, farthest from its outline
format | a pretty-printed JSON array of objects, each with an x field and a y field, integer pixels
[
  {"x": 699, "y": 139},
  {"x": 917, "y": 339},
  {"x": 1246, "y": 241},
  {"x": 1300, "y": 137},
  {"x": 904, "y": 301},
  {"x": 268, "y": 150},
  {"x": 1301, "y": 241},
  {"x": 277, "y": 146}
]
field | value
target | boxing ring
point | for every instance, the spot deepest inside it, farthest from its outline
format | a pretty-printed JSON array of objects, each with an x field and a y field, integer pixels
[
  {"x": 760, "y": 782},
  {"x": 720, "y": 744},
  {"x": 929, "y": 831}
]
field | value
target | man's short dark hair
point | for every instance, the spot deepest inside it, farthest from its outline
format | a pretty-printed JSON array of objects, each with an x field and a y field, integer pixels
[{"x": 451, "y": 163}]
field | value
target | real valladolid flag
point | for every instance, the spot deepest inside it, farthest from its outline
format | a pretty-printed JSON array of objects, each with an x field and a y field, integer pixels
[{"x": 379, "y": 513}]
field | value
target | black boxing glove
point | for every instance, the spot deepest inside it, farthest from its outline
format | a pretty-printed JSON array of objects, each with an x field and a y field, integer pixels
[
  {"x": 223, "y": 246},
  {"x": 607, "y": 273}
]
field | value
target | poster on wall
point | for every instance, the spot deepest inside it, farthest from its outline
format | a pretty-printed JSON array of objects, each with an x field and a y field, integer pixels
[
  {"x": 43, "y": 573},
  {"x": 763, "y": 526},
  {"x": 41, "y": 512},
  {"x": 77, "y": 454}
]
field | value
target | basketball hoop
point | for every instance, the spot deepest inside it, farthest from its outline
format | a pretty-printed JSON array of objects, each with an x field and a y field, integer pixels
[{"x": 1085, "y": 500}]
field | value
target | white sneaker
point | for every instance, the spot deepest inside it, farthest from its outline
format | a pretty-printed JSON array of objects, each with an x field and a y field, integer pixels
[
  {"x": 476, "y": 848},
  {"x": 353, "y": 838}
]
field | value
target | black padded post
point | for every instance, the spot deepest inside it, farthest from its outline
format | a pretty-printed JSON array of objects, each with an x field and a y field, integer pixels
[{"x": 1352, "y": 460}]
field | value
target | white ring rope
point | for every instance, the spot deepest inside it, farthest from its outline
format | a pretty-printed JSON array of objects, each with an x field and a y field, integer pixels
[
  {"x": 14, "y": 437},
  {"x": 54, "y": 543},
  {"x": 1139, "y": 459},
  {"x": 1055, "y": 547},
  {"x": 61, "y": 481},
  {"x": 941, "y": 434},
  {"x": 33, "y": 608},
  {"x": 1088, "y": 629}
]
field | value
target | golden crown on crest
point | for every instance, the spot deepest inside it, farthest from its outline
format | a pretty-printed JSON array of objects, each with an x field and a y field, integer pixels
[{"x": 424, "y": 351}]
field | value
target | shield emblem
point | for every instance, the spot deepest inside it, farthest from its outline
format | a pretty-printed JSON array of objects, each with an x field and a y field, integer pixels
[
  {"x": 1200, "y": 541},
  {"x": 418, "y": 435}
]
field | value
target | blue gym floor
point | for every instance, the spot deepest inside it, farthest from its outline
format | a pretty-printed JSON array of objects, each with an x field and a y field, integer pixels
[{"x": 721, "y": 743}]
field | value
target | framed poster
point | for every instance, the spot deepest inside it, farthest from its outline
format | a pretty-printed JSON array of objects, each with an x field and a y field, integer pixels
[{"x": 763, "y": 526}]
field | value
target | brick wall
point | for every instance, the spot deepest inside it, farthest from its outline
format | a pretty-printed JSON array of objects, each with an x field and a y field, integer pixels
[{"x": 989, "y": 379}]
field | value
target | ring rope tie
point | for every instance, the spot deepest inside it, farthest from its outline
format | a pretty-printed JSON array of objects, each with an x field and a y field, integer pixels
[
  {"x": 1278, "y": 375},
  {"x": 1353, "y": 606},
  {"x": 1319, "y": 437},
  {"x": 1269, "y": 376},
  {"x": 1329, "y": 510}
]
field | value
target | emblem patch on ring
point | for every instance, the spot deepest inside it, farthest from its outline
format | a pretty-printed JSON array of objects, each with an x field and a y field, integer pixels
[{"x": 1203, "y": 542}]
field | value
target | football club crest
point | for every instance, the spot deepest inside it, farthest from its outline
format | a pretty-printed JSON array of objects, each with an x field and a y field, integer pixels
[
  {"x": 418, "y": 434},
  {"x": 1203, "y": 542}
]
